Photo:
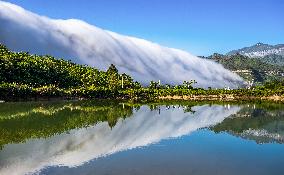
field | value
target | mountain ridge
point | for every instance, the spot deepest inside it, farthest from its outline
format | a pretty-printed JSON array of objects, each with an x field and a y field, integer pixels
[
  {"x": 273, "y": 54},
  {"x": 258, "y": 63}
]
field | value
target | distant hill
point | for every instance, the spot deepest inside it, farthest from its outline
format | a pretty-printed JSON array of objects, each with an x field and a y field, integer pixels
[
  {"x": 258, "y": 63},
  {"x": 251, "y": 69},
  {"x": 273, "y": 54}
]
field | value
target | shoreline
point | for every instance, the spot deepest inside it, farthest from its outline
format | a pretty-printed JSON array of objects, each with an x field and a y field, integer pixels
[
  {"x": 224, "y": 97},
  {"x": 274, "y": 98}
]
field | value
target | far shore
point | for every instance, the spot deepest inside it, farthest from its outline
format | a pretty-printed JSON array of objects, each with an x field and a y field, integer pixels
[
  {"x": 223, "y": 97},
  {"x": 228, "y": 98}
]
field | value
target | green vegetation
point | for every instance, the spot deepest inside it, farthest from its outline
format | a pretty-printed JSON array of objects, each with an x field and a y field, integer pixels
[
  {"x": 251, "y": 69},
  {"x": 42, "y": 120},
  {"x": 274, "y": 59},
  {"x": 31, "y": 77},
  {"x": 273, "y": 53},
  {"x": 267, "y": 119},
  {"x": 46, "y": 71}
]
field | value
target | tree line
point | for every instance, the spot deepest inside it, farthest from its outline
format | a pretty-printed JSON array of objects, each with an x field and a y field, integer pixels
[{"x": 27, "y": 76}]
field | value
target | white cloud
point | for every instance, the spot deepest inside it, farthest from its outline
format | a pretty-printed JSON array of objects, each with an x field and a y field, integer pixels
[
  {"x": 145, "y": 127},
  {"x": 22, "y": 30}
]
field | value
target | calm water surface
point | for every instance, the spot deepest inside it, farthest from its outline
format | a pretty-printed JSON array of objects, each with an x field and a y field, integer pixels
[{"x": 112, "y": 138}]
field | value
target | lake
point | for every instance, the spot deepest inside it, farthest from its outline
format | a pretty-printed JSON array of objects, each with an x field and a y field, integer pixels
[{"x": 117, "y": 138}]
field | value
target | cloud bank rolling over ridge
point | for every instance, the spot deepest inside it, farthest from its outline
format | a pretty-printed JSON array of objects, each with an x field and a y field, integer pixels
[{"x": 83, "y": 43}]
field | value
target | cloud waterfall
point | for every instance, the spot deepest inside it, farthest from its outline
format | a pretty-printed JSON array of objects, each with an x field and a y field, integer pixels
[{"x": 83, "y": 43}]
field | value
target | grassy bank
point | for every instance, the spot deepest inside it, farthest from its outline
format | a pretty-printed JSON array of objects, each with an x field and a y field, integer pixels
[{"x": 15, "y": 92}]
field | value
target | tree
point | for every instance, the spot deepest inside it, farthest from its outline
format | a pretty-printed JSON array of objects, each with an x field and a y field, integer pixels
[
  {"x": 112, "y": 70},
  {"x": 188, "y": 84},
  {"x": 153, "y": 85}
]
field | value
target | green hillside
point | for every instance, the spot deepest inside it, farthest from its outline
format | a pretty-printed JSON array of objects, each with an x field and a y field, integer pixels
[
  {"x": 251, "y": 69},
  {"x": 274, "y": 59},
  {"x": 272, "y": 54},
  {"x": 38, "y": 71},
  {"x": 31, "y": 77}
]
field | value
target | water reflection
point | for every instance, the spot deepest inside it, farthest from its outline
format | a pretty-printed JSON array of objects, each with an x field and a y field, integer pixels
[
  {"x": 37, "y": 136},
  {"x": 262, "y": 124},
  {"x": 71, "y": 149}
]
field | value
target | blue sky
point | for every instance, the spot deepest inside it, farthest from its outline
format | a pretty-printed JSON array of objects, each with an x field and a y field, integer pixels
[{"x": 201, "y": 27}]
